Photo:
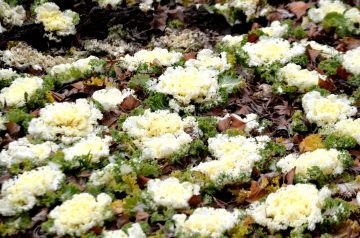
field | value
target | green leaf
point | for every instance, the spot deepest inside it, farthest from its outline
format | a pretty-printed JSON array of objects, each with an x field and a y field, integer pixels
[
  {"x": 208, "y": 126},
  {"x": 231, "y": 83},
  {"x": 139, "y": 81},
  {"x": 339, "y": 142},
  {"x": 336, "y": 21},
  {"x": 157, "y": 101}
]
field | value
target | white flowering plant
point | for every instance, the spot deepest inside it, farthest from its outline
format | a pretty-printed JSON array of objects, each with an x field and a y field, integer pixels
[{"x": 179, "y": 118}]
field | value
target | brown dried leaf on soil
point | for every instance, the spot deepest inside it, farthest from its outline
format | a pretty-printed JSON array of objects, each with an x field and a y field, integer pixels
[
  {"x": 311, "y": 143},
  {"x": 298, "y": 8}
]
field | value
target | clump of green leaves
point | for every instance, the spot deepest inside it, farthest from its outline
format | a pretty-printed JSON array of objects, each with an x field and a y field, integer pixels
[
  {"x": 139, "y": 81},
  {"x": 337, "y": 22},
  {"x": 335, "y": 211},
  {"x": 208, "y": 126},
  {"x": 127, "y": 145},
  {"x": 313, "y": 174},
  {"x": 302, "y": 60},
  {"x": 196, "y": 148},
  {"x": 175, "y": 24},
  {"x": 25, "y": 165},
  {"x": 346, "y": 159},
  {"x": 330, "y": 66},
  {"x": 19, "y": 116},
  {"x": 14, "y": 225},
  {"x": 297, "y": 122},
  {"x": 281, "y": 88},
  {"x": 339, "y": 142},
  {"x": 269, "y": 72},
  {"x": 354, "y": 80},
  {"x": 272, "y": 149},
  {"x": 145, "y": 68},
  {"x": 43, "y": 95},
  {"x": 157, "y": 101},
  {"x": 231, "y": 82}
]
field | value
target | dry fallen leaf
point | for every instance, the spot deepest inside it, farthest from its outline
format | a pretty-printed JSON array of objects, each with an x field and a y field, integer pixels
[
  {"x": 327, "y": 84},
  {"x": 311, "y": 143},
  {"x": 195, "y": 201},
  {"x": 140, "y": 216},
  {"x": 289, "y": 176},
  {"x": 130, "y": 103},
  {"x": 298, "y": 8}
]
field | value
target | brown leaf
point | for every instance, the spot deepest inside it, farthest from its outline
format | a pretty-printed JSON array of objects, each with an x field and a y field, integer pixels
[
  {"x": 348, "y": 43},
  {"x": 284, "y": 109},
  {"x": 311, "y": 143},
  {"x": 342, "y": 73},
  {"x": 110, "y": 118},
  {"x": 224, "y": 124},
  {"x": 177, "y": 13},
  {"x": 248, "y": 220},
  {"x": 4, "y": 177},
  {"x": 40, "y": 216},
  {"x": 327, "y": 84},
  {"x": 355, "y": 153},
  {"x": 298, "y": 8},
  {"x": 129, "y": 103},
  {"x": 220, "y": 203},
  {"x": 313, "y": 54},
  {"x": 190, "y": 55},
  {"x": 85, "y": 174},
  {"x": 122, "y": 220},
  {"x": 290, "y": 176},
  {"x": 97, "y": 230},
  {"x": 236, "y": 122},
  {"x": 78, "y": 85},
  {"x": 256, "y": 192},
  {"x": 195, "y": 201},
  {"x": 142, "y": 180},
  {"x": 12, "y": 128},
  {"x": 142, "y": 216},
  {"x": 159, "y": 21},
  {"x": 252, "y": 38},
  {"x": 156, "y": 62},
  {"x": 35, "y": 113}
]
